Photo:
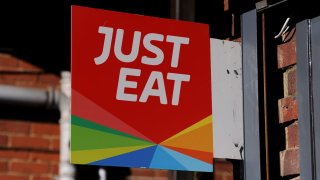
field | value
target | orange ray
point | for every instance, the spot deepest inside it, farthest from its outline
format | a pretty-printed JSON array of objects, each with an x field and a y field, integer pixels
[
  {"x": 203, "y": 156},
  {"x": 199, "y": 139}
]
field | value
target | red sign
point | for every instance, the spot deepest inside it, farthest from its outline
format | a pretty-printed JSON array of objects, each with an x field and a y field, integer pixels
[{"x": 143, "y": 76}]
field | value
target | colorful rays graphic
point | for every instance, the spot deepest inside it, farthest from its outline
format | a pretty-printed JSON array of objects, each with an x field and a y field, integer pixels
[{"x": 99, "y": 138}]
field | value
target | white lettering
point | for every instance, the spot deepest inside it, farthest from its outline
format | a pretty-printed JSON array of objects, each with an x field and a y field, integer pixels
[
  {"x": 123, "y": 83},
  {"x": 134, "y": 50},
  {"x": 178, "y": 79},
  {"x": 152, "y": 48},
  {"x": 177, "y": 41},
  {"x": 106, "y": 45},
  {"x": 155, "y": 76}
]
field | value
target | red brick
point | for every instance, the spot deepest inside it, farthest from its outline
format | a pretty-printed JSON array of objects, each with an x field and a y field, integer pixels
[
  {"x": 218, "y": 176},
  {"x": 292, "y": 136},
  {"x": 8, "y": 69},
  {"x": 142, "y": 172},
  {"x": 13, "y": 154},
  {"x": 6, "y": 60},
  {"x": 161, "y": 173},
  {"x": 19, "y": 79},
  {"x": 3, "y": 166},
  {"x": 30, "y": 142},
  {"x": 9, "y": 63},
  {"x": 54, "y": 169},
  {"x": 27, "y": 67},
  {"x": 13, "y": 177},
  {"x": 43, "y": 156},
  {"x": 45, "y": 129},
  {"x": 287, "y": 53},
  {"x": 289, "y": 161},
  {"x": 2, "y": 81},
  {"x": 223, "y": 170},
  {"x": 229, "y": 178},
  {"x": 28, "y": 167},
  {"x": 41, "y": 178},
  {"x": 148, "y": 172},
  {"x": 139, "y": 178},
  {"x": 288, "y": 109},
  {"x": 55, "y": 144},
  {"x": 223, "y": 167},
  {"x": 226, "y": 5},
  {"x": 290, "y": 82},
  {"x": 49, "y": 79},
  {"x": 3, "y": 141},
  {"x": 37, "y": 85},
  {"x": 14, "y": 127}
]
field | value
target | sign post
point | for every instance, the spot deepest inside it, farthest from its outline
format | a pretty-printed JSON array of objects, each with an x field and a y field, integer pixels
[{"x": 141, "y": 91}]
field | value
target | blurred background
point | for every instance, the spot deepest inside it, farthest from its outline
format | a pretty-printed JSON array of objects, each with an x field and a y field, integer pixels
[
  {"x": 35, "y": 83},
  {"x": 35, "y": 74}
]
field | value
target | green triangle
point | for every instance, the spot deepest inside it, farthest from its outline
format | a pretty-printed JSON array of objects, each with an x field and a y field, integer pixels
[
  {"x": 83, "y": 138},
  {"x": 89, "y": 124}
]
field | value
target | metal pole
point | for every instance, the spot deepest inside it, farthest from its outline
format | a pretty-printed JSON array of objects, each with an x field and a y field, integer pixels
[
  {"x": 175, "y": 9},
  {"x": 265, "y": 95},
  {"x": 308, "y": 72},
  {"x": 304, "y": 109},
  {"x": 252, "y": 164},
  {"x": 315, "y": 37},
  {"x": 29, "y": 96}
]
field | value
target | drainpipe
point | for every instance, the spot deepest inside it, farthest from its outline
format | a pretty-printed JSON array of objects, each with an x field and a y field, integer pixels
[
  {"x": 51, "y": 98},
  {"x": 29, "y": 96}
]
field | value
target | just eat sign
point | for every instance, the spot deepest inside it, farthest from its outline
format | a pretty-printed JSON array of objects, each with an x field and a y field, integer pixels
[
  {"x": 141, "y": 91},
  {"x": 155, "y": 76}
]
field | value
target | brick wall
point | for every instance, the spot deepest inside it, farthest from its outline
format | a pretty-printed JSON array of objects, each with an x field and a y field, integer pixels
[
  {"x": 223, "y": 170},
  {"x": 14, "y": 71},
  {"x": 147, "y": 174},
  {"x": 288, "y": 110},
  {"x": 28, "y": 150}
]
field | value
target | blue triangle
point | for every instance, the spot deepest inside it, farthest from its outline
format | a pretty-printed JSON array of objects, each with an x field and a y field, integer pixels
[
  {"x": 190, "y": 163},
  {"x": 163, "y": 160},
  {"x": 138, "y": 159}
]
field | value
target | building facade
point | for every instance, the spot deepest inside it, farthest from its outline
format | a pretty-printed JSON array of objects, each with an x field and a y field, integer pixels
[{"x": 279, "y": 54}]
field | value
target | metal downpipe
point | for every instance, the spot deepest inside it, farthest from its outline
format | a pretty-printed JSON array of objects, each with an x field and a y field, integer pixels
[{"x": 29, "y": 96}]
